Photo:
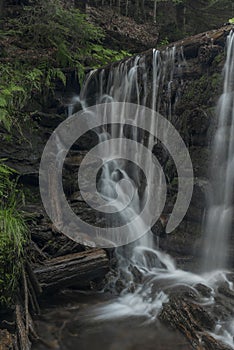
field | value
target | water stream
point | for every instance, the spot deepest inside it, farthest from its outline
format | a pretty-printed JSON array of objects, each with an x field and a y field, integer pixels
[
  {"x": 220, "y": 208},
  {"x": 147, "y": 274}
]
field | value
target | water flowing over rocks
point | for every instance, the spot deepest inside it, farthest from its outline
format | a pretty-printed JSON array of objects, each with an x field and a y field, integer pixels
[{"x": 194, "y": 94}]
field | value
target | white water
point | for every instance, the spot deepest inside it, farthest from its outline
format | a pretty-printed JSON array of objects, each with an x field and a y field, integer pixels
[
  {"x": 225, "y": 332},
  {"x": 158, "y": 270},
  {"x": 220, "y": 210}
]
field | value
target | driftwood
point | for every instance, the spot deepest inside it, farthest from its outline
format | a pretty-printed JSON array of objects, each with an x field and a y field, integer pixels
[
  {"x": 73, "y": 270},
  {"x": 190, "y": 45},
  {"x": 191, "y": 320},
  {"x": 6, "y": 340},
  {"x": 22, "y": 332}
]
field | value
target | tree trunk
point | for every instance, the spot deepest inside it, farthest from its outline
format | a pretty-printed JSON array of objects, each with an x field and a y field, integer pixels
[
  {"x": 126, "y": 8},
  {"x": 119, "y": 6},
  {"x": 143, "y": 8},
  {"x": 155, "y": 11},
  {"x": 73, "y": 270},
  {"x": 184, "y": 17},
  {"x": 81, "y": 4},
  {"x": 191, "y": 320},
  {"x": 1, "y": 8},
  {"x": 137, "y": 9}
]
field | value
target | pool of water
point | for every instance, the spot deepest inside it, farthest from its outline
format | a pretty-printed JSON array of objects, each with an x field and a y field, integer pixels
[{"x": 73, "y": 325}]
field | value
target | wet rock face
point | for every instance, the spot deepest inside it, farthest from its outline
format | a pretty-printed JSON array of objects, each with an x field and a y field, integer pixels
[
  {"x": 207, "y": 53},
  {"x": 193, "y": 115},
  {"x": 195, "y": 118},
  {"x": 198, "y": 122},
  {"x": 189, "y": 312}
]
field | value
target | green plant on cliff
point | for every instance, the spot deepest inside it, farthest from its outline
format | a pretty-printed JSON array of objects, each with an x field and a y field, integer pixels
[
  {"x": 13, "y": 236},
  {"x": 45, "y": 39},
  {"x": 62, "y": 33},
  {"x": 18, "y": 85},
  {"x": 164, "y": 41},
  {"x": 102, "y": 55},
  {"x": 15, "y": 87},
  {"x": 48, "y": 25}
]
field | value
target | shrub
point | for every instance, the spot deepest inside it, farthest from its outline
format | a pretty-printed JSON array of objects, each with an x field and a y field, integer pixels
[{"x": 13, "y": 236}]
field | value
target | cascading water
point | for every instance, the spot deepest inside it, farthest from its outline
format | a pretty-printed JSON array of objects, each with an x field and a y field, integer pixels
[
  {"x": 156, "y": 271},
  {"x": 220, "y": 208},
  {"x": 129, "y": 82},
  {"x": 123, "y": 85}
]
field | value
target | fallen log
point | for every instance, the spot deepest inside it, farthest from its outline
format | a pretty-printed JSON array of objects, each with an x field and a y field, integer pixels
[
  {"x": 22, "y": 332},
  {"x": 193, "y": 321},
  {"x": 6, "y": 340},
  {"x": 73, "y": 270}
]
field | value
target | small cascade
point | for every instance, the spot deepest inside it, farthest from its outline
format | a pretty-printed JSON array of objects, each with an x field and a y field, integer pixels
[
  {"x": 145, "y": 275},
  {"x": 224, "y": 332},
  {"x": 135, "y": 81},
  {"x": 220, "y": 207},
  {"x": 131, "y": 81}
]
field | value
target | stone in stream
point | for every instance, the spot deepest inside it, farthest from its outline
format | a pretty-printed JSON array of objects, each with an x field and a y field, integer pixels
[{"x": 193, "y": 321}]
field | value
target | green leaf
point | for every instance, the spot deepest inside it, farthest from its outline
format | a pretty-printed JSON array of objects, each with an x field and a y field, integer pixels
[
  {"x": 3, "y": 102},
  {"x": 5, "y": 119}
]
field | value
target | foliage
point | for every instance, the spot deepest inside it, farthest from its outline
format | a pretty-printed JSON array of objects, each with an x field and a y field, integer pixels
[
  {"x": 177, "y": 2},
  {"x": 164, "y": 41},
  {"x": 63, "y": 31},
  {"x": 13, "y": 236},
  {"x": 48, "y": 24},
  {"x": 103, "y": 56},
  {"x": 231, "y": 20},
  {"x": 39, "y": 43},
  {"x": 17, "y": 86}
]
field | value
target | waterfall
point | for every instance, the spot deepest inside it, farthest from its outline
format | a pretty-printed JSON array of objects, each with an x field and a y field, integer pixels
[
  {"x": 131, "y": 81},
  {"x": 144, "y": 277},
  {"x": 134, "y": 80},
  {"x": 144, "y": 273},
  {"x": 220, "y": 207},
  {"x": 140, "y": 264}
]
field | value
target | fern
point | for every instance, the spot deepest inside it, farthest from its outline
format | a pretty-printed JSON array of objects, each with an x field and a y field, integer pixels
[
  {"x": 60, "y": 75},
  {"x": 52, "y": 74},
  {"x": 5, "y": 173},
  {"x": 3, "y": 101},
  {"x": 102, "y": 56},
  {"x": 35, "y": 78},
  {"x": 63, "y": 56},
  {"x": 61, "y": 37},
  {"x": 5, "y": 119}
]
